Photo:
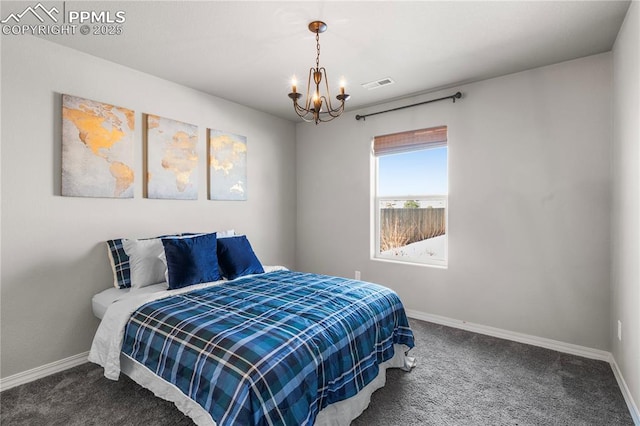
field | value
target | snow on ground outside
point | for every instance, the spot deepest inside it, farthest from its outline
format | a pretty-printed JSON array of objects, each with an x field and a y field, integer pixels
[{"x": 432, "y": 248}]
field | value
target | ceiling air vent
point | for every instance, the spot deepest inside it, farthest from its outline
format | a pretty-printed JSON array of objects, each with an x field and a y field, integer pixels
[{"x": 378, "y": 83}]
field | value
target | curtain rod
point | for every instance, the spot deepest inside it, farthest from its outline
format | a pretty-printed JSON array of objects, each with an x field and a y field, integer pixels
[{"x": 457, "y": 95}]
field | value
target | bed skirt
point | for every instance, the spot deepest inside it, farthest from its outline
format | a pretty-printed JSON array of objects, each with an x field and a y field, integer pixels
[{"x": 340, "y": 413}]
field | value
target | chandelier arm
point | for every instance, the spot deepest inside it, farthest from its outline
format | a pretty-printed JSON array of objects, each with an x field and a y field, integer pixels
[
  {"x": 328, "y": 97},
  {"x": 323, "y": 119},
  {"x": 308, "y": 120},
  {"x": 336, "y": 112},
  {"x": 307, "y": 103},
  {"x": 302, "y": 113},
  {"x": 330, "y": 110},
  {"x": 299, "y": 110},
  {"x": 326, "y": 87}
]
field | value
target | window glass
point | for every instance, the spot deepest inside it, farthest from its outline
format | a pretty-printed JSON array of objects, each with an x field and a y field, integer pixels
[{"x": 411, "y": 206}]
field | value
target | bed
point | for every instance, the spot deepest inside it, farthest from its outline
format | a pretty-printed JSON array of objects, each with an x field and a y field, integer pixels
[{"x": 279, "y": 347}]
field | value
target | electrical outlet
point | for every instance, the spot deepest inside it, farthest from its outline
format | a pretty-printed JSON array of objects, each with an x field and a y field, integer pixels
[
  {"x": 357, "y": 275},
  {"x": 619, "y": 330}
]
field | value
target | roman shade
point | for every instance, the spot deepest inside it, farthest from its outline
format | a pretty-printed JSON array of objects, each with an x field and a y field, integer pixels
[{"x": 395, "y": 143}]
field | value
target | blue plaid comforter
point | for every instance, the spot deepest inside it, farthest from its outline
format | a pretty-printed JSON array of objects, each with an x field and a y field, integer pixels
[{"x": 271, "y": 349}]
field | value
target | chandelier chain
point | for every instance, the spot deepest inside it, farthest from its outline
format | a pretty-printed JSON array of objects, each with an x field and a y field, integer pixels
[{"x": 318, "y": 50}]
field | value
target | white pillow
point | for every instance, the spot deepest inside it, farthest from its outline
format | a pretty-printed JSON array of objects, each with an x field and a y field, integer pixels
[
  {"x": 219, "y": 234},
  {"x": 144, "y": 261},
  {"x": 227, "y": 233}
]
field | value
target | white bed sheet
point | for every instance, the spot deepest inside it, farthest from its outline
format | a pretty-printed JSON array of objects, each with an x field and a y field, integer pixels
[{"x": 101, "y": 301}]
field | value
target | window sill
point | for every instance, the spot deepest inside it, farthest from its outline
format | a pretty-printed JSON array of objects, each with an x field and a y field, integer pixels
[{"x": 404, "y": 262}]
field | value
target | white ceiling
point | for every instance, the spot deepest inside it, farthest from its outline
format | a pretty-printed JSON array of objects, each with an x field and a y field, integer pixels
[{"x": 247, "y": 52}]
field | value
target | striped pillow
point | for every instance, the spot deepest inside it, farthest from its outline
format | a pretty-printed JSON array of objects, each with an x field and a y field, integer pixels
[{"x": 119, "y": 264}]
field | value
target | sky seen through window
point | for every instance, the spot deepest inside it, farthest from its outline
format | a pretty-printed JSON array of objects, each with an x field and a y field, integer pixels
[{"x": 422, "y": 172}]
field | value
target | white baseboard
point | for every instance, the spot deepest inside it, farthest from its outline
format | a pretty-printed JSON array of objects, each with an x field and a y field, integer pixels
[
  {"x": 514, "y": 336},
  {"x": 42, "y": 371},
  {"x": 633, "y": 408},
  {"x": 555, "y": 345}
]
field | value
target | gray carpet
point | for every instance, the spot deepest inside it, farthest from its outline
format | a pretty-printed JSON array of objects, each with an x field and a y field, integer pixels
[{"x": 462, "y": 378}]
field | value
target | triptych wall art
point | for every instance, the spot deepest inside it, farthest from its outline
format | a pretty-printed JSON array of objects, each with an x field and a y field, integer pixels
[
  {"x": 172, "y": 159},
  {"x": 98, "y": 146},
  {"x": 227, "y": 166},
  {"x": 97, "y": 149}
]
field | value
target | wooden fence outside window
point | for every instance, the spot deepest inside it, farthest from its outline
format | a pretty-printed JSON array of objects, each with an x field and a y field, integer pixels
[{"x": 402, "y": 226}]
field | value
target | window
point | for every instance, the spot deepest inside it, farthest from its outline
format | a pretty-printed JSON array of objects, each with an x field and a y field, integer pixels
[{"x": 410, "y": 205}]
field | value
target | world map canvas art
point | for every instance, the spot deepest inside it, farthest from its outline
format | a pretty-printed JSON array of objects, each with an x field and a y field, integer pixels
[
  {"x": 227, "y": 166},
  {"x": 97, "y": 149},
  {"x": 172, "y": 159}
]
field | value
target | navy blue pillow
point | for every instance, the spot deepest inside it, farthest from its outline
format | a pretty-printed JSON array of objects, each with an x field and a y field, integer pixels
[
  {"x": 236, "y": 257},
  {"x": 191, "y": 260}
]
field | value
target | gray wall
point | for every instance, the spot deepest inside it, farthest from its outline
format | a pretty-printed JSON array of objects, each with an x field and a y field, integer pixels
[
  {"x": 625, "y": 245},
  {"x": 53, "y": 257},
  {"x": 529, "y": 202}
]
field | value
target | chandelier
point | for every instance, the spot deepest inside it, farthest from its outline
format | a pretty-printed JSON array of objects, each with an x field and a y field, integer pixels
[{"x": 317, "y": 106}]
